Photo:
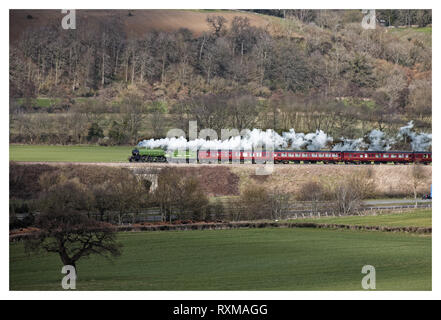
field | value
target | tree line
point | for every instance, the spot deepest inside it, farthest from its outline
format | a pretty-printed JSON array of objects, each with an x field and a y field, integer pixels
[
  {"x": 117, "y": 196},
  {"x": 330, "y": 18},
  {"x": 113, "y": 89},
  {"x": 55, "y": 62}
]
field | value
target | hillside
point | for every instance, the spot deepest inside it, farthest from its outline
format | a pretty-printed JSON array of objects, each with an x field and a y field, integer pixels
[
  {"x": 136, "y": 24},
  {"x": 123, "y": 76}
]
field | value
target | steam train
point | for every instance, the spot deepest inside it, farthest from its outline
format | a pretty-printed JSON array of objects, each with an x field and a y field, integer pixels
[{"x": 280, "y": 156}]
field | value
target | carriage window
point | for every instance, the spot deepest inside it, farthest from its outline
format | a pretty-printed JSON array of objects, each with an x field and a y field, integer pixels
[
  {"x": 393, "y": 156},
  {"x": 283, "y": 154},
  {"x": 385, "y": 156},
  {"x": 291, "y": 154},
  {"x": 313, "y": 155},
  {"x": 320, "y": 155},
  {"x": 297, "y": 154},
  {"x": 377, "y": 156},
  {"x": 401, "y": 156},
  {"x": 361, "y": 156},
  {"x": 245, "y": 154}
]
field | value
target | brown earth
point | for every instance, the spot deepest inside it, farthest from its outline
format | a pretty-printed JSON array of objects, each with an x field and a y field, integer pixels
[{"x": 134, "y": 26}]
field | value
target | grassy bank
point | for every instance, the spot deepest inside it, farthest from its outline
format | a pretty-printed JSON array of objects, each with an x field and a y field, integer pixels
[
  {"x": 415, "y": 218},
  {"x": 69, "y": 153},
  {"x": 245, "y": 259}
]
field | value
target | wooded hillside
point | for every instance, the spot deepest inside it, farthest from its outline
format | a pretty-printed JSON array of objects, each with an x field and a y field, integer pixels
[{"x": 123, "y": 75}]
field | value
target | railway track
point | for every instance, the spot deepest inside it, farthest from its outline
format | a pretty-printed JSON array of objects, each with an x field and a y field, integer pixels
[{"x": 167, "y": 164}]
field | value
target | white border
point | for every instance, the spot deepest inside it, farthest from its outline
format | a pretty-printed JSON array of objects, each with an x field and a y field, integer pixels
[{"x": 201, "y": 295}]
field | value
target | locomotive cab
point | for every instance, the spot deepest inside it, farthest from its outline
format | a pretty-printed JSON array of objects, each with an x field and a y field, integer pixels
[{"x": 135, "y": 155}]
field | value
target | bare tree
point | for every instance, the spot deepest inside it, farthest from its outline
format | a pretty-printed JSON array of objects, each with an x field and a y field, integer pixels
[
  {"x": 244, "y": 110},
  {"x": 314, "y": 192},
  {"x": 179, "y": 195},
  {"x": 417, "y": 177},
  {"x": 255, "y": 203},
  {"x": 217, "y": 24},
  {"x": 278, "y": 202},
  {"x": 350, "y": 190},
  {"x": 64, "y": 228}
]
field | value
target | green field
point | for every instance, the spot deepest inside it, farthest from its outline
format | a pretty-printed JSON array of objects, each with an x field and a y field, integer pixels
[
  {"x": 69, "y": 153},
  {"x": 243, "y": 259},
  {"x": 415, "y": 218}
]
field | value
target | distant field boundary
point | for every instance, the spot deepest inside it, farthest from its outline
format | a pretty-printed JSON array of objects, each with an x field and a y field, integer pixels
[
  {"x": 257, "y": 225},
  {"x": 252, "y": 225}
]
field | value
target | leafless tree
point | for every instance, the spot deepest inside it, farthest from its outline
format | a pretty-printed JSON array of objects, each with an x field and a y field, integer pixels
[
  {"x": 65, "y": 229},
  {"x": 180, "y": 195},
  {"x": 417, "y": 177},
  {"x": 217, "y": 24},
  {"x": 349, "y": 191}
]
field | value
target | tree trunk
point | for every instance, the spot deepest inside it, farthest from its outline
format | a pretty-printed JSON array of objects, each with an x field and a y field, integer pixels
[
  {"x": 102, "y": 71},
  {"x": 415, "y": 197},
  {"x": 163, "y": 69}
]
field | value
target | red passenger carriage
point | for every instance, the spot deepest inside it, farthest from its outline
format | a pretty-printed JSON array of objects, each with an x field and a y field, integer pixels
[{"x": 307, "y": 156}]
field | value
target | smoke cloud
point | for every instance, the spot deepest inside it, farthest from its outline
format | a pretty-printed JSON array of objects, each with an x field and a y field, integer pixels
[
  {"x": 418, "y": 141},
  {"x": 375, "y": 140},
  {"x": 249, "y": 139}
]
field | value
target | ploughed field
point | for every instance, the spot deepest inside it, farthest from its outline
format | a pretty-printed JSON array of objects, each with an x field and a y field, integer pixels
[{"x": 242, "y": 259}]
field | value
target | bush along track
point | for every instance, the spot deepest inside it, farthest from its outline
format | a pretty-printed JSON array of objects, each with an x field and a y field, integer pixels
[{"x": 249, "y": 225}]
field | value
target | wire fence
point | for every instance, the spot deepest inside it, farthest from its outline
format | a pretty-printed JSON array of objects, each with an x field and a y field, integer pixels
[{"x": 291, "y": 211}]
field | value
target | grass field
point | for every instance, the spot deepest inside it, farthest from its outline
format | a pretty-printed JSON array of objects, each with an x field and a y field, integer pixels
[
  {"x": 416, "y": 218},
  {"x": 69, "y": 153},
  {"x": 245, "y": 259}
]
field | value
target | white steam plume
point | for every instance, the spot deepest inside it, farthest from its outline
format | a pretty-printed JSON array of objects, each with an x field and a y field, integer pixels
[
  {"x": 418, "y": 141},
  {"x": 251, "y": 139},
  {"x": 375, "y": 140}
]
